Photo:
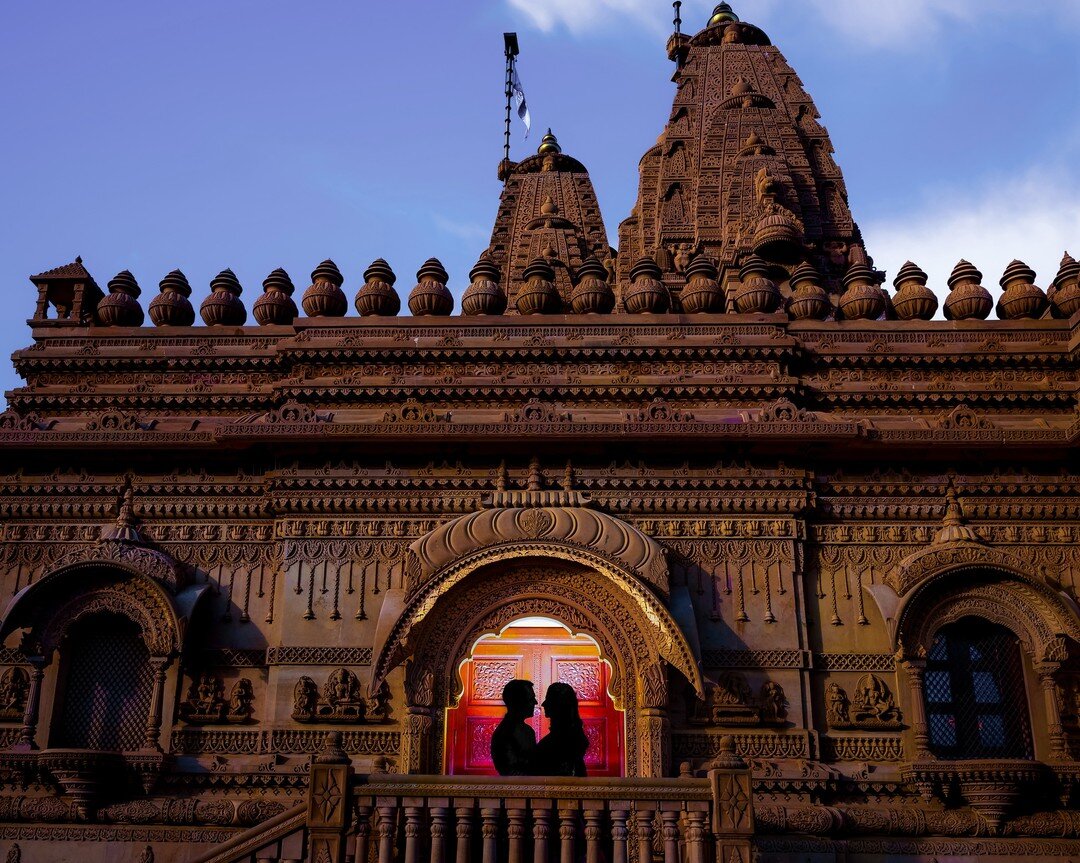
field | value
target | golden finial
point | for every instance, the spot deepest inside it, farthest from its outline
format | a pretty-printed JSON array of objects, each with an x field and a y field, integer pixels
[
  {"x": 722, "y": 14},
  {"x": 549, "y": 144}
]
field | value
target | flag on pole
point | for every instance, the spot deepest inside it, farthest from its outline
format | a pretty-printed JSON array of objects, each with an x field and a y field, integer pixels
[{"x": 522, "y": 105}]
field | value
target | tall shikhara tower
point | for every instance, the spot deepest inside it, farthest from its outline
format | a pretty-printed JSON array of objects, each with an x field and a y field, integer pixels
[{"x": 743, "y": 171}]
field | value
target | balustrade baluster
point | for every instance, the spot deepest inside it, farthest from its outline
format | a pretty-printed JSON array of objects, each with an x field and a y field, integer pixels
[
  {"x": 386, "y": 830},
  {"x": 438, "y": 833},
  {"x": 541, "y": 832},
  {"x": 567, "y": 831},
  {"x": 644, "y": 819},
  {"x": 671, "y": 836},
  {"x": 515, "y": 833},
  {"x": 490, "y": 832},
  {"x": 695, "y": 837},
  {"x": 363, "y": 832},
  {"x": 618, "y": 836},
  {"x": 592, "y": 835},
  {"x": 413, "y": 817},
  {"x": 464, "y": 832}
]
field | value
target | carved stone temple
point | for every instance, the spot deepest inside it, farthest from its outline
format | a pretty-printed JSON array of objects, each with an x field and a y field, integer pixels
[{"x": 808, "y": 554}]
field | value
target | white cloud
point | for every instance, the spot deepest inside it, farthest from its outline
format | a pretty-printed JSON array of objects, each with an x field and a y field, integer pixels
[
  {"x": 468, "y": 231},
  {"x": 900, "y": 24},
  {"x": 1034, "y": 218}
]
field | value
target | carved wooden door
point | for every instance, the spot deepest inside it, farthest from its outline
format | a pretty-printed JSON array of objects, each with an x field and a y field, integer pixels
[{"x": 543, "y": 655}]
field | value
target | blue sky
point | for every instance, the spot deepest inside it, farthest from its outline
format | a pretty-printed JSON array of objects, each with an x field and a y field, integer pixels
[{"x": 254, "y": 134}]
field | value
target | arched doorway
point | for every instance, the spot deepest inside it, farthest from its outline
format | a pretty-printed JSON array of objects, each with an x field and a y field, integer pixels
[{"x": 544, "y": 651}]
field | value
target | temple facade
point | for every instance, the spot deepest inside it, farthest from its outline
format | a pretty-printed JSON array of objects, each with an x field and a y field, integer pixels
[{"x": 808, "y": 554}]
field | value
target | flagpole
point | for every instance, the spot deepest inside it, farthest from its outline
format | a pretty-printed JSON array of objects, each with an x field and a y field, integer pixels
[{"x": 510, "y": 41}]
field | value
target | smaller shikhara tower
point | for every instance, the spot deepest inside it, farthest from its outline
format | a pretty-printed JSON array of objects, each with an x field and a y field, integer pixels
[{"x": 742, "y": 176}]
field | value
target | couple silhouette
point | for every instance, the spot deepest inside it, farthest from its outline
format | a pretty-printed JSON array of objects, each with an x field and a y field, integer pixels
[{"x": 561, "y": 752}]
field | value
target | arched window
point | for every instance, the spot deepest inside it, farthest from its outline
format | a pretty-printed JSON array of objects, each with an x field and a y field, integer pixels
[
  {"x": 107, "y": 683},
  {"x": 976, "y": 704}
]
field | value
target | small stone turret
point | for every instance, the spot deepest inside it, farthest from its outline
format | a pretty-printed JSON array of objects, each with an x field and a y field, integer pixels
[
  {"x": 377, "y": 295},
  {"x": 276, "y": 305},
  {"x": 431, "y": 296},
  {"x": 224, "y": 307},
  {"x": 538, "y": 296},
  {"x": 325, "y": 299},
  {"x": 702, "y": 294},
  {"x": 967, "y": 299},
  {"x": 120, "y": 308},
  {"x": 1066, "y": 291},
  {"x": 913, "y": 299},
  {"x": 646, "y": 294},
  {"x": 863, "y": 299},
  {"x": 809, "y": 300},
  {"x": 757, "y": 293},
  {"x": 1021, "y": 297},
  {"x": 592, "y": 293},
  {"x": 484, "y": 296},
  {"x": 172, "y": 308}
]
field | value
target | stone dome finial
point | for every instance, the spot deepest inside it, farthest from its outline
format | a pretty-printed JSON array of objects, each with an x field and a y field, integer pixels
[
  {"x": 549, "y": 144},
  {"x": 538, "y": 296},
  {"x": 863, "y": 299},
  {"x": 172, "y": 308},
  {"x": 224, "y": 307},
  {"x": 1066, "y": 296},
  {"x": 967, "y": 299},
  {"x": 121, "y": 307},
  {"x": 549, "y": 207},
  {"x": 484, "y": 296},
  {"x": 1022, "y": 297},
  {"x": 592, "y": 294},
  {"x": 431, "y": 297},
  {"x": 646, "y": 294},
  {"x": 702, "y": 294},
  {"x": 325, "y": 299},
  {"x": 809, "y": 300},
  {"x": 722, "y": 14},
  {"x": 953, "y": 526},
  {"x": 757, "y": 293},
  {"x": 276, "y": 305},
  {"x": 377, "y": 295},
  {"x": 913, "y": 300}
]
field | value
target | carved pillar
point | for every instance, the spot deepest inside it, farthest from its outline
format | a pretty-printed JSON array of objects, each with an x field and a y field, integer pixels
[
  {"x": 653, "y": 731},
  {"x": 416, "y": 735},
  {"x": 915, "y": 669},
  {"x": 28, "y": 733},
  {"x": 733, "y": 804},
  {"x": 152, "y": 739},
  {"x": 1047, "y": 672},
  {"x": 328, "y": 802}
]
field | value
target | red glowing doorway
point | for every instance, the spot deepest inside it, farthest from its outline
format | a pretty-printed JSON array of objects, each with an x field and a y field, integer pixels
[{"x": 543, "y": 651}]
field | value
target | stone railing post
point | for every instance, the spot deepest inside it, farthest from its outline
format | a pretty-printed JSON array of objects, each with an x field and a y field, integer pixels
[
  {"x": 1047, "y": 672},
  {"x": 329, "y": 802},
  {"x": 28, "y": 732},
  {"x": 732, "y": 804}
]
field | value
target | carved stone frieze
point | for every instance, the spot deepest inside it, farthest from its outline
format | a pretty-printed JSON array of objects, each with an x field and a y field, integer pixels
[
  {"x": 207, "y": 704},
  {"x": 871, "y": 708},
  {"x": 339, "y": 701}
]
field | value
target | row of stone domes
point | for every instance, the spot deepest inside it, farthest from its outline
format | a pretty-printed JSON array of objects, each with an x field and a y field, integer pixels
[{"x": 863, "y": 297}]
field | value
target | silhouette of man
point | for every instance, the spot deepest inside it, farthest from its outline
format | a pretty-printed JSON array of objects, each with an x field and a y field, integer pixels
[
  {"x": 562, "y": 751},
  {"x": 513, "y": 742}
]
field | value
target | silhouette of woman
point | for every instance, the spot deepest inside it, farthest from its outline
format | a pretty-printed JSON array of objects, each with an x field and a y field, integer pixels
[{"x": 562, "y": 751}]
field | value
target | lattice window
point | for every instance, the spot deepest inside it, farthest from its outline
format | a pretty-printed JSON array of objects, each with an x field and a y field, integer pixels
[
  {"x": 976, "y": 703},
  {"x": 105, "y": 699}
]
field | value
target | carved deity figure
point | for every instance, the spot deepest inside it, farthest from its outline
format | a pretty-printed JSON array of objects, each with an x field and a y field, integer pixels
[
  {"x": 381, "y": 708},
  {"x": 14, "y": 686},
  {"x": 731, "y": 690},
  {"x": 836, "y": 705},
  {"x": 774, "y": 703},
  {"x": 873, "y": 700},
  {"x": 342, "y": 688},
  {"x": 241, "y": 700},
  {"x": 305, "y": 696},
  {"x": 205, "y": 693}
]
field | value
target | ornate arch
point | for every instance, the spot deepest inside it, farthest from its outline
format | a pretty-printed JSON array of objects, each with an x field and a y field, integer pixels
[
  {"x": 482, "y": 593},
  {"x": 142, "y": 584}
]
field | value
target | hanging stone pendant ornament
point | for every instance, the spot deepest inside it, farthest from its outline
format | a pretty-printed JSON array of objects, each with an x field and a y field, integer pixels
[
  {"x": 809, "y": 300},
  {"x": 377, "y": 296},
  {"x": 431, "y": 297},
  {"x": 1022, "y": 298},
  {"x": 913, "y": 299},
  {"x": 757, "y": 293},
  {"x": 702, "y": 293},
  {"x": 967, "y": 299},
  {"x": 646, "y": 294},
  {"x": 121, "y": 307},
  {"x": 592, "y": 295},
  {"x": 484, "y": 296},
  {"x": 325, "y": 299},
  {"x": 224, "y": 307},
  {"x": 276, "y": 305},
  {"x": 172, "y": 308}
]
